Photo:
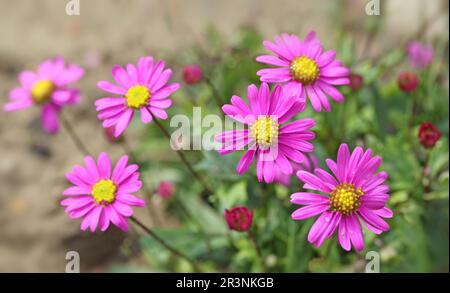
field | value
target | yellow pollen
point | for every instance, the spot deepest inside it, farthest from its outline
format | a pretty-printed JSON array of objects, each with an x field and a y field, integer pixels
[
  {"x": 345, "y": 198},
  {"x": 104, "y": 192},
  {"x": 42, "y": 91},
  {"x": 305, "y": 70},
  {"x": 264, "y": 131},
  {"x": 137, "y": 96}
]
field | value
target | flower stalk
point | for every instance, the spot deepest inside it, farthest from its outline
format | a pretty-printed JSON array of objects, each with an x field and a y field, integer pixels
[{"x": 183, "y": 157}]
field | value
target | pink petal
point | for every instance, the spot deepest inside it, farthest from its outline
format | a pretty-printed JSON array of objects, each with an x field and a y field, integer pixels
[
  {"x": 309, "y": 211},
  {"x": 123, "y": 209},
  {"x": 111, "y": 88},
  {"x": 121, "y": 76},
  {"x": 272, "y": 60},
  {"x": 245, "y": 162},
  {"x": 123, "y": 122},
  {"x": 104, "y": 166},
  {"x": 307, "y": 198},
  {"x": 354, "y": 230},
  {"x": 49, "y": 118},
  {"x": 130, "y": 199}
]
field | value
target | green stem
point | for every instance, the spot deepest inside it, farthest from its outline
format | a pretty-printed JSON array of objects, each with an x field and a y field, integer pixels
[
  {"x": 214, "y": 91},
  {"x": 183, "y": 158},
  {"x": 147, "y": 192},
  {"x": 73, "y": 135},
  {"x": 162, "y": 242}
]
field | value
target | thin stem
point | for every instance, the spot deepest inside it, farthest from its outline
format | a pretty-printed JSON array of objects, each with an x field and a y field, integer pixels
[
  {"x": 426, "y": 172},
  {"x": 214, "y": 91},
  {"x": 182, "y": 156},
  {"x": 252, "y": 238},
  {"x": 73, "y": 135},
  {"x": 413, "y": 111},
  {"x": 196, "y": 223},
  {"x": 162, "y": 242},
  {"x": 148, "y": 193}
]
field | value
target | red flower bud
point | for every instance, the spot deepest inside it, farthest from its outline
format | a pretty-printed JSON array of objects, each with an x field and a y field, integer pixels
[
  {"x": 192, "y": 74},
  {"x": 429, "y": 134},
  {"x": 407, "y": 81},
  {"x": 165, "y": 189},
  {"x": 356, "y": 82},
  {"x": 239, "y": 218}
]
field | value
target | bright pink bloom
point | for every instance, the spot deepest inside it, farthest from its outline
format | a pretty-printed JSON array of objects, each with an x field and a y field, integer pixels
[
  {"x": 101, "y": 194},
  {"x": 304, "y": 69},
  {"x": 239, "y": 218},
  {"x": 165, "y": 189},
  {"x": 407, "y": 81},
  {"x": 273, "y": 144},
  {"x": 141, "y": 88},
  {"x": 308, "y": 165},
  {"x": 355, "y": 192},
  {"x": 429, "y": 135},
  {"x": 192, "y": 74},
  {"x": 420, "y": 55},
  {"x": 47, "y": 88}
]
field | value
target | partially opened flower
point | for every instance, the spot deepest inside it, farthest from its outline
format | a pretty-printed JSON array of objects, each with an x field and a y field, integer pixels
[
  {"x": 304, "y": 69},
  {"x": 48, "y": 88},
  {"x": 429, "y": 134},
  {"x": 407, "y": 81},
  {"x": 102, "y": 194},
  {"x": 420, "y": 55},
  {"x": 239, "y": 218},
  {"x": 142, "y": 88},
  {"x": 355, "y": 194},
  {"x": 273, "y": 142}
]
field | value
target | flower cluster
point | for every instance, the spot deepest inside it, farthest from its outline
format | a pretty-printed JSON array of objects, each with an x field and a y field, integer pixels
[{"x": 273, "y": 135}]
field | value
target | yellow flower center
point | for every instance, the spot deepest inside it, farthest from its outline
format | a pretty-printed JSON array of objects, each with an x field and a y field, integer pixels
[
  {"x": 137, "y": 96},
  {"x": 345, "y": 198},
  {"x": 305, "y": 70},
  {"x": 104, "y": 192},
  {"x": 42, "y": 91},
  {"x": 264, "y": 131}
]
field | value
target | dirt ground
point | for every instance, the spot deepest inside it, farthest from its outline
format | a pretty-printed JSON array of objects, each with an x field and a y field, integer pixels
[{"x": 35, "y": 233}]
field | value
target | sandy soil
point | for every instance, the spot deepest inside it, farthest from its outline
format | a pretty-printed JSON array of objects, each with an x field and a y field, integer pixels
[{"x": 35, "y": 233}]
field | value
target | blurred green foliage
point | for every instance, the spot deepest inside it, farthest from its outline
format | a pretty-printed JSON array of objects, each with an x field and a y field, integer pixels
[{"x": 378, "y": 116}]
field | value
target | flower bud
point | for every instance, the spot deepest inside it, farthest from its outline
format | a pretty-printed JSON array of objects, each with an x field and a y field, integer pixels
[
  {"x": 239, "y": 218},
  {"x": 407, "y": 81},
  {"x": 192, "y": 74},
  {"x": 356, "y": 82},
  {"x": 165, "y": 189},
  {"x": 429, "y": 134}
]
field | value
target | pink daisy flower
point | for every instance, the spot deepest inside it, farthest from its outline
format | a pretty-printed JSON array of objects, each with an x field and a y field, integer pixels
[
  {"x": 304, "y": 69},
  {"x": 355, "y": 193},
  {"x": 102, "y": 195},
  {"x": 47, "y": 88},
  {"x": 141, "y": 88},
  {"x": 273, "y": 144}
]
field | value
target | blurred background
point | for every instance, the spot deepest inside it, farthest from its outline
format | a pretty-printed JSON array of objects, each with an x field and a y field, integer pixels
[{"x": 219, "y": 36}]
